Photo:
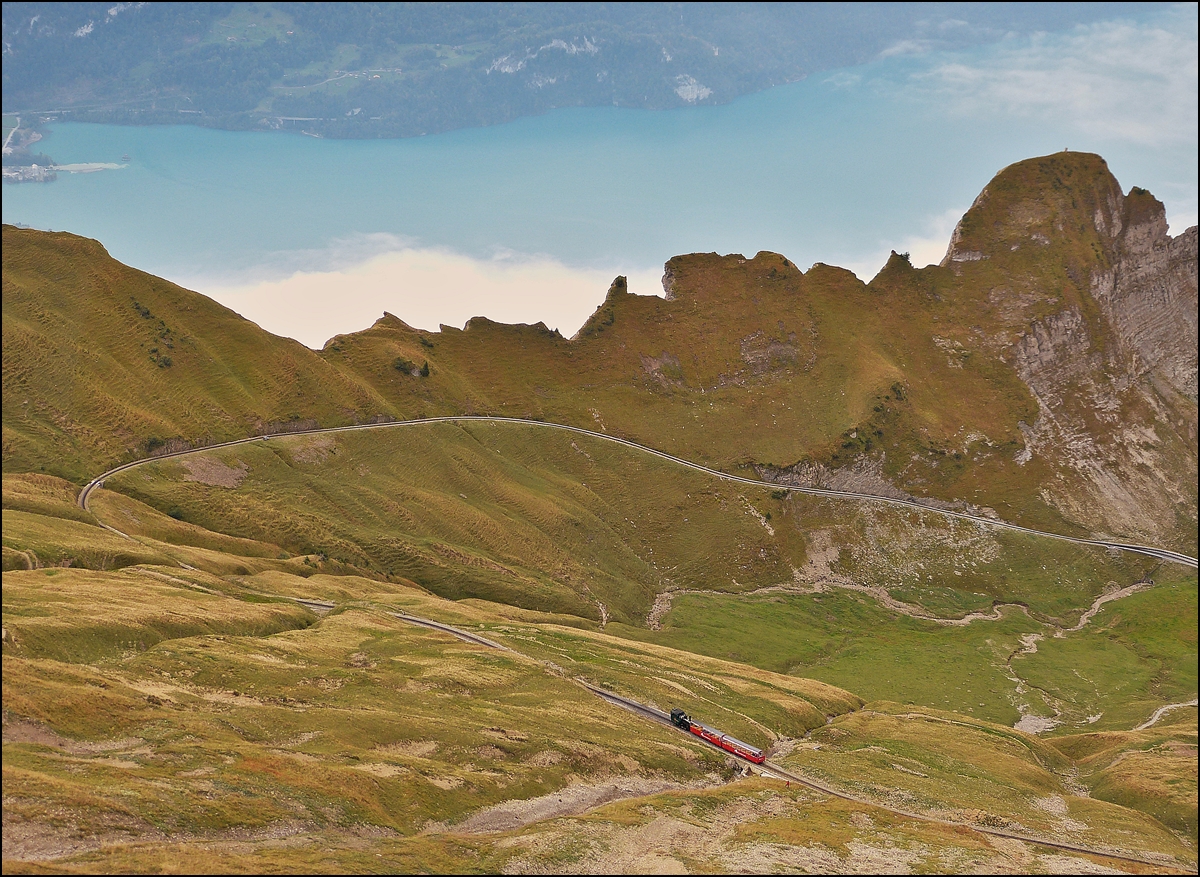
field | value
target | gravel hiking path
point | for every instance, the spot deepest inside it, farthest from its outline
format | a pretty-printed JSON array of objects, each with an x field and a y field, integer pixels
[{"x": 1106, "y": 597}]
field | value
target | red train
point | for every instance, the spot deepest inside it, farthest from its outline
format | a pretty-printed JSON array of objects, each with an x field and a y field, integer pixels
[{"x": 717, "y": 738}]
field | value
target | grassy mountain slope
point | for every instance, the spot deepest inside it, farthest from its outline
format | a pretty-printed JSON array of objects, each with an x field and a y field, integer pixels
[
  {"x": 1151, "y": 770},
  {"x": 580, "y": 527},
  {"x": 358, "y": 734},
  {"x": 168, "y": 706},
  {"x": 103, "y": 362},
  {"x": 1021, "y": 375},
  {"x": 751, "y": 361},
  {"x": 898, "y": 605},
  {"x": 1004, "y": 378}
]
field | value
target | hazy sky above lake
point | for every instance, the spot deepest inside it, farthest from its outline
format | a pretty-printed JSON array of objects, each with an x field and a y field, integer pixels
[{"x": 531, "y": 220}]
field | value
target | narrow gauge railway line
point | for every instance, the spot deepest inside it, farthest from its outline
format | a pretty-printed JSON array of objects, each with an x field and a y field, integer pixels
[
  {"x": 640, "y": 709},
  {"x": 770, "y": 768},
  {"x": 321, "y": 607},
  {"x": 1150, "y": 551},
  {"x": 464, "y": 635},
  {"x": 780, "y": 772}
]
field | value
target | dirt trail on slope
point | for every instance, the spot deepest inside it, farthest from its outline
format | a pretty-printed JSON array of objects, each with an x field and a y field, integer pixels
[
  {"x": 1106, "y": 597},
  {"x": 662, "y": 603},
  {"x": 1163, "y": 710},
  {"x": 570, "y": 801}
]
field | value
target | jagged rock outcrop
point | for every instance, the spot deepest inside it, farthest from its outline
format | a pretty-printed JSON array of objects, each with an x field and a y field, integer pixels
[
  {"x": 1094, "y": 306},
  {"x": 1149, "y": 293}
]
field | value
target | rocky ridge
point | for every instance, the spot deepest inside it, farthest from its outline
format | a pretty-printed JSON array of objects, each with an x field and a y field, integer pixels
[
  {"x": 1117, "y": 390},
  {"x": 1094, "y": 306},
  {"x": 1046, "y": 369}
]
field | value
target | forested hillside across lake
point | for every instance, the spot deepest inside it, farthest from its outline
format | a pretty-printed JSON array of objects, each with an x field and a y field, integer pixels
[{"x": 406, "y": 69}]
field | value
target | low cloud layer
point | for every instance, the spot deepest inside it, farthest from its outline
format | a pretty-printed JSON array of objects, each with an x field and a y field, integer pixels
[{"x": 425, "y": 288}]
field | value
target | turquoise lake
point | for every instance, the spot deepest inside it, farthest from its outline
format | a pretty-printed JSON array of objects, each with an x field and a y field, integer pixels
[{"x": 837, "y": 168}]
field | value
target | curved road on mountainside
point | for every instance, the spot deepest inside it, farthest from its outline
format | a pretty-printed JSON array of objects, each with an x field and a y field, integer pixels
[{"x": 1160, "y": 553}]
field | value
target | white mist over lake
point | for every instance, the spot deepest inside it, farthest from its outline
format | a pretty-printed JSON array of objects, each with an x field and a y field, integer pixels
[
  {"x": 531, "y": 220},
  {"x": 427, "y": 288}
]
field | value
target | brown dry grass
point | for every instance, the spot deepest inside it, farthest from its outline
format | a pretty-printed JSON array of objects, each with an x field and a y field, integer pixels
[{"x": 81, "y": 616}]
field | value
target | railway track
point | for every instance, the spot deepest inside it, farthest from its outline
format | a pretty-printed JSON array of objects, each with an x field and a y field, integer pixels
[
  {"x": 464, "y": 635},
  {"x": 321, "y": 607},
  {"x": 773, "y": 769}
]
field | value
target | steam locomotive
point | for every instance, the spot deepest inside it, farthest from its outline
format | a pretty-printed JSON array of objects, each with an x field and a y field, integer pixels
[{"x": 717, "y": 738}]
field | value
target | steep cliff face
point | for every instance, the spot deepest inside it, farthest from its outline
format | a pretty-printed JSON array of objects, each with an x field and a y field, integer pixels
[
  {"x": 1118, "y": 447},
  {"x": 1099, "y": 321},
  {"x": 1149, "y": 293}
]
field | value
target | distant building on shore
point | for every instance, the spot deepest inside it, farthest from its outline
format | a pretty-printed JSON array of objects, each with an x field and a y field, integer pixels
[{"x": 29, "y": 174}]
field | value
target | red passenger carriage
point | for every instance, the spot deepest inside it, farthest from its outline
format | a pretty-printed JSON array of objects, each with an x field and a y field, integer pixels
[{"x": 717, "y": 738}]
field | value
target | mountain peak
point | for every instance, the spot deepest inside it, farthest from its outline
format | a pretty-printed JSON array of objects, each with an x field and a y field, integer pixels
[{"x": 1066, "y": 196}]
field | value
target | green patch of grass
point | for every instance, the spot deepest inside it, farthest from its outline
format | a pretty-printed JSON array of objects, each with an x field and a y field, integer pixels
[
  {"x": 82, "y": 616},
  {"x": 851, "y": 641},
  {"x": 943, "y": 602},
  {"x": 1135, "y": 655},
  {"x": 43, "y": 495},
  {"x": 969, "y": 771},
  {"x": 250, "y": 23},
  {"x": 1153, "y": 770},
  {"x": 139, "y": 519}
]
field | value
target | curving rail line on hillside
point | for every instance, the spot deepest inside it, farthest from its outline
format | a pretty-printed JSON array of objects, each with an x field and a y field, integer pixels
[
  {"x": 780, "y": 772},
  {"x": 774, "y": 770},
  {"x": 1160, "y": 553}
]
